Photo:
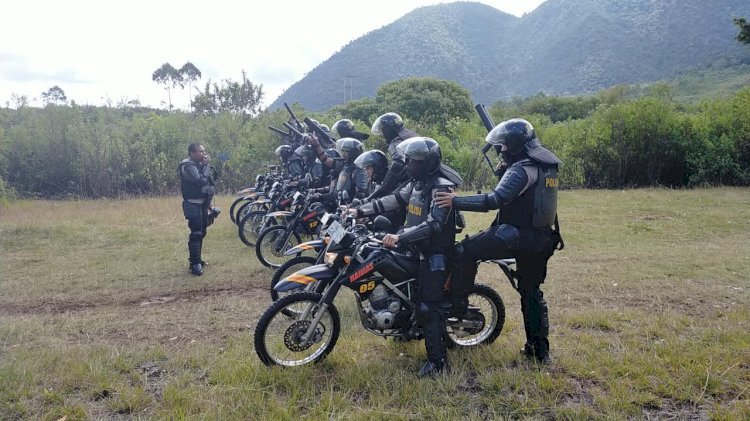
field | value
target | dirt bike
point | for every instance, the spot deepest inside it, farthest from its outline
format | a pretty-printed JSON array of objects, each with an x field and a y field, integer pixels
[
  {"x": 303, "y": 328},
  {"x": 303, "y": 219}
]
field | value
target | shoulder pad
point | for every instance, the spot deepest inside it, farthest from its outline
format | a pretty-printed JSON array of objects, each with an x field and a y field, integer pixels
[
  {"x": 443, "y": 182},
  {"x": 186, "y": 161}
]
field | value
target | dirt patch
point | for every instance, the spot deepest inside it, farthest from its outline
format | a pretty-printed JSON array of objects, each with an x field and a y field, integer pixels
[{"x": 152, "y": 299}]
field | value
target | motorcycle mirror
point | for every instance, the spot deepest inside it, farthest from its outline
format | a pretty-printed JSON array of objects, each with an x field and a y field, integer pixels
[{"x": 381, "y": 223}]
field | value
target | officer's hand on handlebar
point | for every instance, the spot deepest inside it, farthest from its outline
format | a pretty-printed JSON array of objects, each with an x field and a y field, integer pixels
[
  {"x": 444, "y": 199},
  {"x": 390, "y": 240}
]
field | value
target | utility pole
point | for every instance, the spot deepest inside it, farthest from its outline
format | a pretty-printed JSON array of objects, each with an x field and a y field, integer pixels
[{"x": 348, "y": 88}]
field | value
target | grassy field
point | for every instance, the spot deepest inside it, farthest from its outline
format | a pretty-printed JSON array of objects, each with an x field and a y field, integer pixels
[{"x": 99, "y": 318}]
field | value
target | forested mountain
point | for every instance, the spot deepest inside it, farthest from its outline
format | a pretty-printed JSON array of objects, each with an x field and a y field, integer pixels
[{"x": 562, "y": 47}]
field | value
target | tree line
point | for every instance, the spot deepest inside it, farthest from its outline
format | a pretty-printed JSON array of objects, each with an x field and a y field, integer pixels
[{"x": 605, "y": 140}]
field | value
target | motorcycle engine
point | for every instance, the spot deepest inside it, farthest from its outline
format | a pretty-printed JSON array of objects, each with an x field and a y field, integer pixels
[{"x": 383, "y": 308}]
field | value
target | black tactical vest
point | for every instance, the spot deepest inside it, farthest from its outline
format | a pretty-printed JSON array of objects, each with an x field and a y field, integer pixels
[
  {"x": 537, "y": 206},
  {"x": 189, "y": 190}
]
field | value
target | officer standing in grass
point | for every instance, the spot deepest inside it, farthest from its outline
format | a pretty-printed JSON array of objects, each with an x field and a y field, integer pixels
[
  {"x": 525, "y": 227},
  {"x": 197, "y": 186}
]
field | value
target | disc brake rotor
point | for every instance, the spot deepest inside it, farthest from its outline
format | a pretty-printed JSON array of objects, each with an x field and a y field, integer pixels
[{"x": 293, "y": 335}]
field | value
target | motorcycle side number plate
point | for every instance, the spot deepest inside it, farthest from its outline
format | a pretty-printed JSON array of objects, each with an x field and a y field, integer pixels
[{"x": 336, "y": 231}]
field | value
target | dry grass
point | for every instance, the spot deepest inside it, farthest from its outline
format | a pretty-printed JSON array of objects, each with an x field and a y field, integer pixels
[{"x": 99, "y": 318}]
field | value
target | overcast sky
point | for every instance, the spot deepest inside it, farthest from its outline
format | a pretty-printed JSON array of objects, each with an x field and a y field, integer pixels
[{"x": 107, "y": 50}]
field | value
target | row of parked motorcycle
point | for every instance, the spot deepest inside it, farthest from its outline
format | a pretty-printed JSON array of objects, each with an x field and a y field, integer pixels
[{"x": 314, "y": 252}]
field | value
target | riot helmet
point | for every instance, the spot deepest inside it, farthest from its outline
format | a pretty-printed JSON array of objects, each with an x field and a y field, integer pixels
[
  {"x": 305, "y": 153},
  {"x": 514, "y": 134},
  {"x": 388, "y": 125},
  {"x": 325, "y": 128},
  {"x": 422, "y": 156},
  {"x": 375, "y": 159},
  {"x": 345, "y": 128},
  {"x": 349, "y": 148},
  {"x": 284, "y": 152}
]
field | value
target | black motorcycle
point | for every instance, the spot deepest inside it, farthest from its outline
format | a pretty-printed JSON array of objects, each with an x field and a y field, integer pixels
[{"x": 303, "y": 328}]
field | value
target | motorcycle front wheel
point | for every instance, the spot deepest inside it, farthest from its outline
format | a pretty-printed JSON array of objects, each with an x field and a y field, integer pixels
[
  {"x": 279, "y": 338},
  {"x": 270, "y": 253},
  {"x": 481, "y": 324}
]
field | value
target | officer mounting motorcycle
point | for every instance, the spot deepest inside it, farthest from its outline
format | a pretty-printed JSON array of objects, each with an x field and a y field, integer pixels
[
  {"x": 431, "y": 230},
  {"x": 526, "y": 199}
]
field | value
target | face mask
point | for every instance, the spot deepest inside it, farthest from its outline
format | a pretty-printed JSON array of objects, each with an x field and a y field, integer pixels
[{"x": 416, "y": 169}]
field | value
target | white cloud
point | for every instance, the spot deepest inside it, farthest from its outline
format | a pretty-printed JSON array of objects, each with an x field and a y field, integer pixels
[{"x": 96, "y": 50}]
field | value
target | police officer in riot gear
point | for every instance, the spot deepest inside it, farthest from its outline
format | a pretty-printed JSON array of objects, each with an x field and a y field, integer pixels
[
  {"x": 391, "y": 127},
  {"x": 305, "y": 154},
  {"x": 526, "y": 198},
  {"x": 351, "y": 179},
  {"x": 431, "y": 229},
  {"x": 292, "y": 163},
  {"x": 345, "y": 128},
  {"x": 375, "y": 164},
  {"x": 197, "y": 186}
]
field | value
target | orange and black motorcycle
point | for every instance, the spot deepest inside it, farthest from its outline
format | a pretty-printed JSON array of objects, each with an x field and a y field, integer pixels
[{"x": 303, "y": 327}]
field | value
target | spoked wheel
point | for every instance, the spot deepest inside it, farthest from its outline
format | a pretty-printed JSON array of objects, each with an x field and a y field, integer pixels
[
  {"x": 252, "y": 224},
  {"x": 482, "y": 323},
  {"x": 269, "y": 249},
  {"x": 279, "y": 339},
  {"x": 247, "y": 207},
  {"x": 233, "y": 207}
]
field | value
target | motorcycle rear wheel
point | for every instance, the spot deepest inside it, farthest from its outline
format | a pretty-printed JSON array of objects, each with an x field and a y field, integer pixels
[
  {"x": 482, "y": 323},
  {"x": 278, "y": 337}
]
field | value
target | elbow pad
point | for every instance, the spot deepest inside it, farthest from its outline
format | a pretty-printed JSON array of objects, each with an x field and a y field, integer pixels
[
  {"x": 422, "y": 231},
  {"x": 475, "y": 203}
]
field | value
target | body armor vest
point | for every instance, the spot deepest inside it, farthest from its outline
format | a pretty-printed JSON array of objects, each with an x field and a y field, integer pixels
[
  {"x": 418, "y": 207},
  {"x": 188, "y": 189},
  {"x": 537, "y": 206}
]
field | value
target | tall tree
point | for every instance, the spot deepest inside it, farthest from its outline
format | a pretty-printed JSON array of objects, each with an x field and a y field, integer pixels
[
  {"x": 425, "y": 99},
  {"x": 744, "y": 25},
  {"x": 168, "y": 76},
  {"x": 54, "y": 95},
  {"x": 190, "y": 73},
  {"x": 243, "y": 97}
]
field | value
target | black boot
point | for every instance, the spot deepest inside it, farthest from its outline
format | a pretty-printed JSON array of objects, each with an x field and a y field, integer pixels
[
  {"x": 536, "y": 324},
  {"x": 432, "y": 321},
  {"x": 432, "y": 369},
  {"x": 194, "y": 247}
]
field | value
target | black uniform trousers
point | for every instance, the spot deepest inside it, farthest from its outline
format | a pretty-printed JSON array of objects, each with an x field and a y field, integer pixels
[
  {"x": 197, "y": 217},
  {"x": 531, "y": 268}
]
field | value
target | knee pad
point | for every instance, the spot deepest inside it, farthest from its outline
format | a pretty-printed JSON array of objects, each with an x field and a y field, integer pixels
[
  {"x": 196, "y": 236},
  {"x": 424, "y": 313}
]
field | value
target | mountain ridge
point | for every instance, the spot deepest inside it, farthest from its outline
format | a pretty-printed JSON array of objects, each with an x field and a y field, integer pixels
[{"x": 562, "y": 47}]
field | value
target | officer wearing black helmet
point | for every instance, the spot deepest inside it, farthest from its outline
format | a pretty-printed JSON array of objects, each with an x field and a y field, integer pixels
[
  {"x": 292, "y": 163},
  {"x": 197, "y": 187},
  {"x": 431, "y": 229},
  {"x": 391, "y": 127},
  {"x": 351, "y": 179},
  {"x": 526, "y": 199},
  {"x": 375, "y": 164},
  {"x": 345, "y": 128}
]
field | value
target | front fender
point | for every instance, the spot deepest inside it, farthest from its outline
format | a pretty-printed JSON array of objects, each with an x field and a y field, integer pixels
[
  {"x": 279, "y": 213},
  {"x": 304, "y": 277},
  {"x": 316, "y": 245},
  {"x": 245, "y": 191}
]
